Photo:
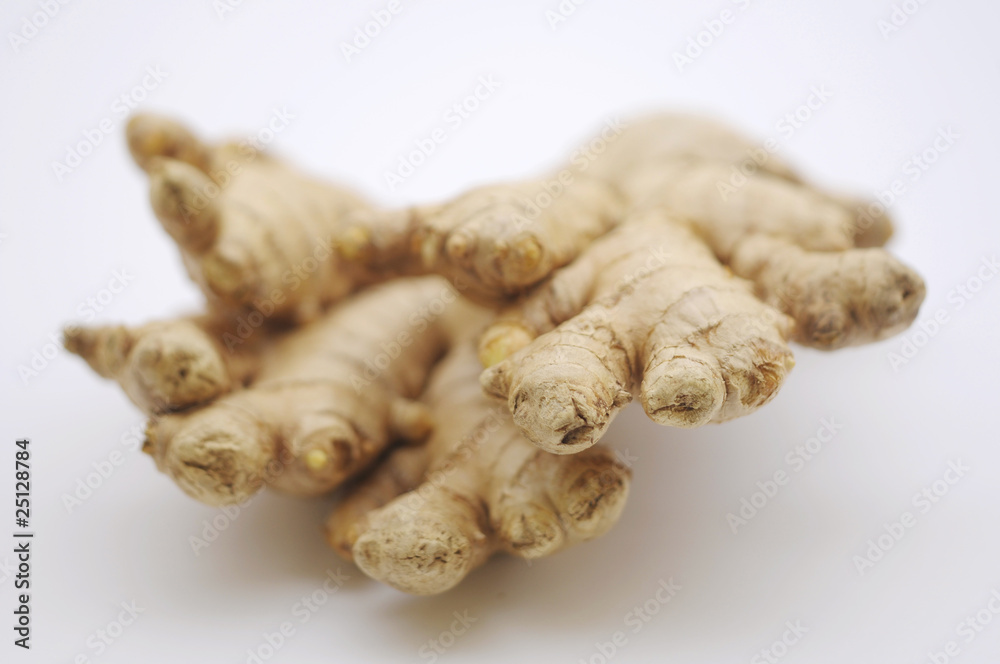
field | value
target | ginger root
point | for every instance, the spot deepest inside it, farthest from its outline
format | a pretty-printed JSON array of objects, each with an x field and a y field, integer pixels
[
  {"x": 322, "y": 401},
  {"x": 429, "y": 515},
  {"x": 494, "y": 242},
  {"x": 651, "y": 273},
  {"x": 647, "y": 309},
  {"x": 169, "y": 365},
  {"x": 812, "y": 254},
  {"x": 253, "y": 230},
  {"x": 250, "y": 228},
  {"x": 652, "y": 309}
]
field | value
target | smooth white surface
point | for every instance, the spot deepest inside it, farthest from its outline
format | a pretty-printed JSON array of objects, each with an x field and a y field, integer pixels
[{"x": 792, "y": 562}]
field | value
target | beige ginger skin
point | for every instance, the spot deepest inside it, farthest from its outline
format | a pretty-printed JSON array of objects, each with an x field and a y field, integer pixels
[
  {"x": 170, "y": 365},
  {"x": 647, "y": 309},
  {"x": 429, "y": 515},
  {"x": 653, "y": 274},
  {"x": 249, "y": 227},
  {"x": 314, "y": 413},
  {"x": 684, "y": 332},
  {"x": 813, "y": 255}
]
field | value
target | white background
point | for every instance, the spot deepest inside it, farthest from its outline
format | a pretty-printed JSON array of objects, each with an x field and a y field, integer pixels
[{"x": 794, "y": 561}]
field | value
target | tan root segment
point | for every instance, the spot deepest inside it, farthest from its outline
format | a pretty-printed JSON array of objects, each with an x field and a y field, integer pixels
[
  {"x": 427, "y": 516},
  {"x": 661, "y": 267},
  {"x": 651, "y": 309},
  {"x": 169, "y": 365},
  {"x": 325, "y": 401},
  {"x": 494, "y": 241},
  {"x": 810, "y": 253},
  {"x": 253, "y": 232},
  {"x": 646, "y": 310}
]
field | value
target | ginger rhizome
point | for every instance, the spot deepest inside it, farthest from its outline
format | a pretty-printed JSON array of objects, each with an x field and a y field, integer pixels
[
  {"x": 812, "y": 254},
  {"x": 647, "y": 309},
  {"x": 316, "y": 413},
  {"x": 169, "y": 365},
  {"x": 430, "y": 514},
  {"x": 253, "y": 230},
  {"x": 659, "y": 309},
  {"x": 495, "y": 241},
  {"x": 249, "y": 227},
  {"x": 321, "y": 401},
  {"x": 664, "y": 269}
]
